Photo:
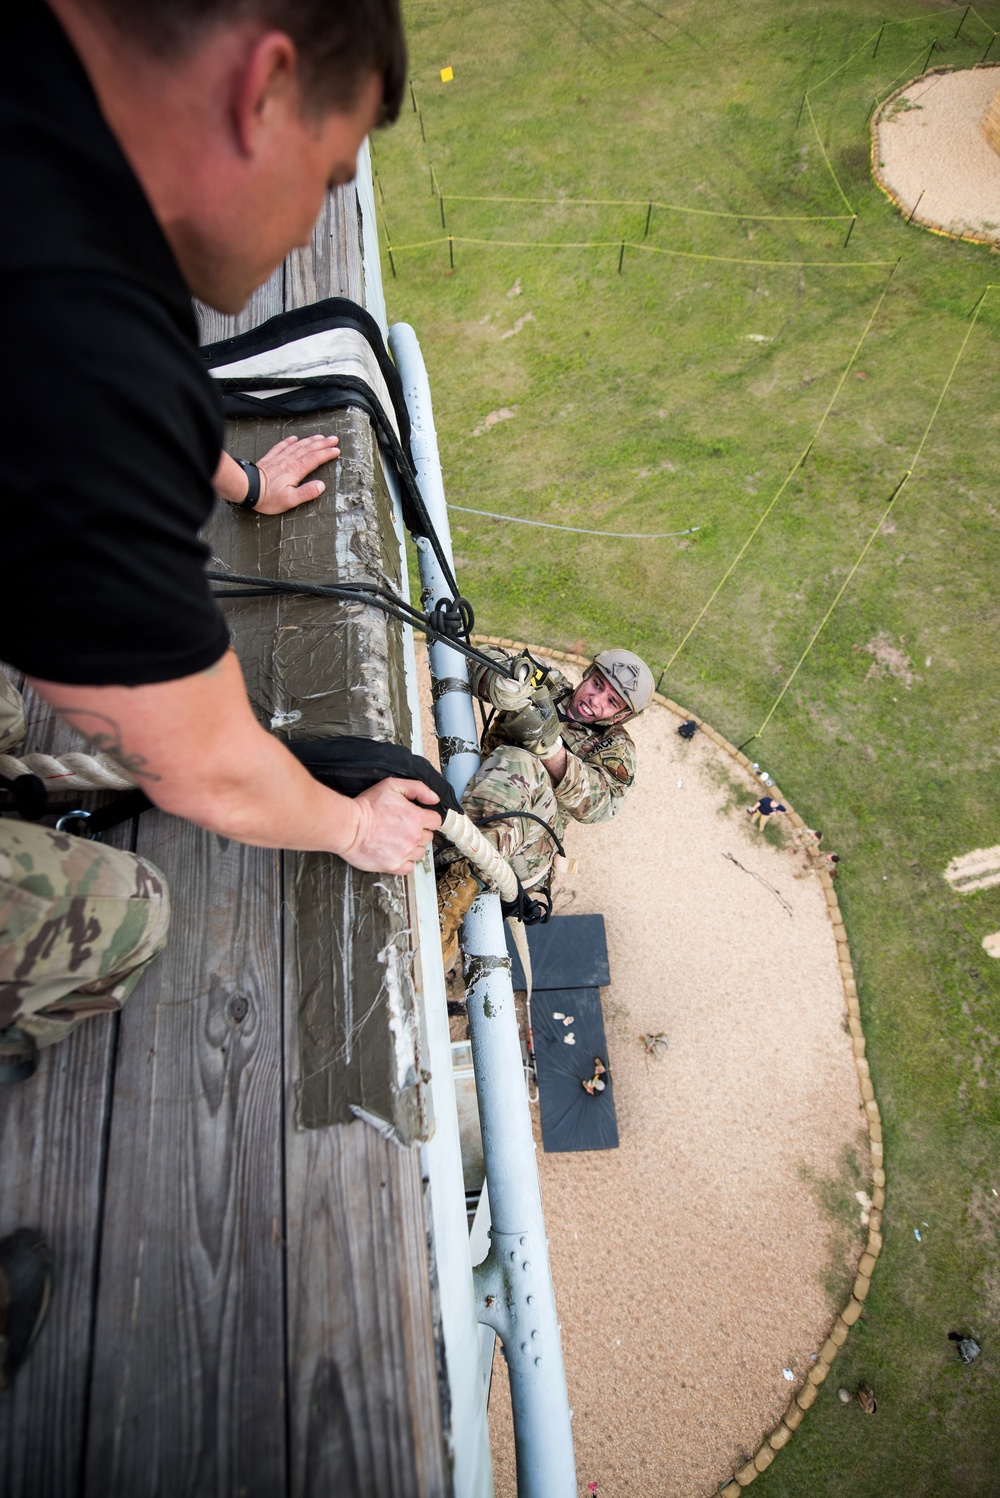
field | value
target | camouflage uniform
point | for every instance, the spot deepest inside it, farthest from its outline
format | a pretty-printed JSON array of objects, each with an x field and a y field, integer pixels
[
  {"x": 600, "y": 769},
  {"x": 79, "y": 922}
]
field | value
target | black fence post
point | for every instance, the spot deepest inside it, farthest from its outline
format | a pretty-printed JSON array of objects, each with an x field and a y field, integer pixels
[
  {"x": 961, "y": 23},
  {"x": 927, "y": 59},
  {"x": 441, "y": 206},
  {"x": 413, "y": 97},
  {"x": 392, "y": 263},
  {"x": 621, "y": 257},
  {"x": 451, "y": 252},
  {"x": 798, "y": 118},
  {"x": 850, "y": 231},
  {"x": 989, "y": 45},
  {"x": 649, "y": 215},
  {"x": 878, "y": 41},
  {"x": 915, "y": 206}
]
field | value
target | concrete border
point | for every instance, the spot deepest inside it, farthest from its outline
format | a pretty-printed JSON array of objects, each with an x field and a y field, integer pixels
[
  {"x": 779, "y": 1437},
  {"x": 878, "y": 171}
]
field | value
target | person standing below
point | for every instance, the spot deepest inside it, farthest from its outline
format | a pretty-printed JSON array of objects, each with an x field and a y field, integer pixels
[{"x": 150, "y": 153}]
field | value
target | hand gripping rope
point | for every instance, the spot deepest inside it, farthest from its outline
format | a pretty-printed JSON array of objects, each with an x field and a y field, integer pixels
[{"x": 347, "y": 765}]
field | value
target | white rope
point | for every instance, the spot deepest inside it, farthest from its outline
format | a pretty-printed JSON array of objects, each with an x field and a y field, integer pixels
[
  {"x": 549, "y": 525},
  {"x": 99, "y": 772},
  {"x": 475, "y": 846},
  {"x": 73, "y": 772}
]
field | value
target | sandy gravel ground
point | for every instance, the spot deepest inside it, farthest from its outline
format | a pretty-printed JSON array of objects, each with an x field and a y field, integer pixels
[
  {"x": 692, "y": 1264},
  {"x": 929, "y": 142}
]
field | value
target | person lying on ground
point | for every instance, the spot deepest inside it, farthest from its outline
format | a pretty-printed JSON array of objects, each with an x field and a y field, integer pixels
[{"x": 566, "y": 756}]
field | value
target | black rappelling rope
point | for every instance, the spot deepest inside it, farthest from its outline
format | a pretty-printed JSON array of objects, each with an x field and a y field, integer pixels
[
  {"x": 448, "y": 622},
  {"x": 527, "y": 816}
]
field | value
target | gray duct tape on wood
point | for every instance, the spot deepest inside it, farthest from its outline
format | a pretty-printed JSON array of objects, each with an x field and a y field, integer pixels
[{"x": 316, "y": 668}]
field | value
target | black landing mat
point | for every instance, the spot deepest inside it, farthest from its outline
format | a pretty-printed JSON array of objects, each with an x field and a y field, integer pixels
[
  {"x": 569, "y": 951},
  {"x": 572, "y": 1119}
]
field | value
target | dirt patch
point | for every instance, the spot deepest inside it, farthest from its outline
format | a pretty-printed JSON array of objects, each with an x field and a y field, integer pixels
[
  {"x": 889, "y": 658},
  {"x": 979, "y": 869}
]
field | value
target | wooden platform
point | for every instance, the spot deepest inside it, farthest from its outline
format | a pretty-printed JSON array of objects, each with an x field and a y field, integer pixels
[{"x": 243, "y": 1306}]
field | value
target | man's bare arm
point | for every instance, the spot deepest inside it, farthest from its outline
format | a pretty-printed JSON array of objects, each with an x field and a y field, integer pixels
[{"x": 197, "y": 750}]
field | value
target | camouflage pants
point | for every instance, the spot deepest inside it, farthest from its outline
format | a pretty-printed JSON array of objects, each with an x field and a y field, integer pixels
[
  {"x": 514, "y": 779},
  {"x": 79, "y": 922}
]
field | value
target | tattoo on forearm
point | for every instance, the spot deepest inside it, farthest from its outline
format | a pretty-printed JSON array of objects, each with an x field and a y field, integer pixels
[{"x": 105, "y": 736}]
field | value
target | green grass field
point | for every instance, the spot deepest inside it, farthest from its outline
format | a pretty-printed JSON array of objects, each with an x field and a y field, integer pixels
[{"x": 679, "y": 392}]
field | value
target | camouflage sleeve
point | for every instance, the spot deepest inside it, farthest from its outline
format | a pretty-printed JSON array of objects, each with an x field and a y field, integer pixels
[{"x": 594, "y": 784}]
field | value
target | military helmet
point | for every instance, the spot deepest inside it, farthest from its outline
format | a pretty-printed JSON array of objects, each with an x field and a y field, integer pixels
[{"x": 629, "y": 675}]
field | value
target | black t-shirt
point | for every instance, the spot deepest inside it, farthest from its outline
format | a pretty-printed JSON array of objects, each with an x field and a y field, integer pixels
[{"x": 110, "y": 427}]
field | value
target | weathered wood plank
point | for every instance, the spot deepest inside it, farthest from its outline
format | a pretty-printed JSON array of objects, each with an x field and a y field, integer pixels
[
  {"x": 188, "y": 1375},
  {"x": 331, "y": 264},
  {"x": 266, "y": 301},
  {"x": 52, "y": 1176},
  {"x": 188, "y": 1366},
  {"x": 364, "y": 1408},
  {"x": 363, "y": 1395}
]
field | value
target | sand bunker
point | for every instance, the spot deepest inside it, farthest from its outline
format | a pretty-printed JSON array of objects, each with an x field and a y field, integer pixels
[
  {"x": 699, "y": 1267},
  {"x": 929, "y": 154}
]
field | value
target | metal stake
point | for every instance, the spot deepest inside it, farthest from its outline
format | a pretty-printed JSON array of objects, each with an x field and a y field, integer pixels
[
  {"x": 850, "y": 231},
  {"x": 878, "y": 42},
  {"x": 621, "y": 257},
  {"x": 649, "y": 215},
  {"x": 915, "y": 206},
  {"x": 451, "y": 252},
  {"x": 962, "y": 21}
]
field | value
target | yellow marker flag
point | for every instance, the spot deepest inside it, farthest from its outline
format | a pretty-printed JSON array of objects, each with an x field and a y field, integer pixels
[{"x": 447, "y": 74}]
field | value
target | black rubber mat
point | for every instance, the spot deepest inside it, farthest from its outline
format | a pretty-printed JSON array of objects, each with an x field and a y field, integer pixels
[
  {"x": 568, "y": 1029},
  {"x": 570, "y": 951}
]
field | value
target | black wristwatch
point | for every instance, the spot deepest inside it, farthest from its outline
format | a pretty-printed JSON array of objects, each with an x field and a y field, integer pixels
[{"x": 253, "y": 490}]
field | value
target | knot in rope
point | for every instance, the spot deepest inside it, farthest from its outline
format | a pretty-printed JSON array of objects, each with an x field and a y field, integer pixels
[{"x": 451, "y": 618}]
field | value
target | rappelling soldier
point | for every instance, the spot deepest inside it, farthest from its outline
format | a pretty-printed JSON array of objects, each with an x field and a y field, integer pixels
[{"x": 566, "y": 755}]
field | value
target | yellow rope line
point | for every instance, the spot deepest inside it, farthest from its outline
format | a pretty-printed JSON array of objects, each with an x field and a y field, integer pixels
[
  {"x": 906, "y": 72},
  {"x": 770, "y": 218},
  {"x": 984, "y": 21},
  {"x": 786, "y": 481},
  {"x": 824, "y": 81},
  {"x": 888, "y": 510},
  {"x": 649, "y": 249},
  {"x": 902, "y": 21},
  {"x": 819, "y": 142}
]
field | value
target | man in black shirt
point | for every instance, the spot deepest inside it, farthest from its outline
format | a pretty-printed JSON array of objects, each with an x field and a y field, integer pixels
[{"x": 151, "y": 152}]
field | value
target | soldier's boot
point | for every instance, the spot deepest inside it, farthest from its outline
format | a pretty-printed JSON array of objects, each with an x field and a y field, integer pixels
[
  {"x": 457, "y": 888},
  {"x": 25, "y": 1290}
]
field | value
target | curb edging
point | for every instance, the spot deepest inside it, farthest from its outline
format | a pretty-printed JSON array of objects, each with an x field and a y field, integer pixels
[
  {"x": 782, "y": 1433},
  {"x": 993, "y": 240}
]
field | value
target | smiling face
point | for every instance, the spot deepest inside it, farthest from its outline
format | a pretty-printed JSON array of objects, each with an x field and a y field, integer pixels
[{"x": 596, "y": 701}]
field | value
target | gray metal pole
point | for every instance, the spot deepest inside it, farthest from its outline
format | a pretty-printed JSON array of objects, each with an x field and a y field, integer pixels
[{"x": 514, "y": 1284}]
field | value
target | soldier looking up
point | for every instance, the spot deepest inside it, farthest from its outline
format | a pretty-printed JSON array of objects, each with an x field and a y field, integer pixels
[{"x": 565, "y": 756}]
